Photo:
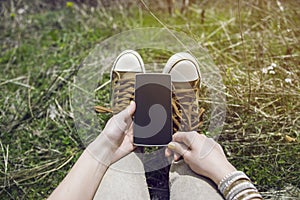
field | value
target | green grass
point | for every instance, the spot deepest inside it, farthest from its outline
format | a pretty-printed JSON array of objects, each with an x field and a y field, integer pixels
[{"x": 42, "y": 49}]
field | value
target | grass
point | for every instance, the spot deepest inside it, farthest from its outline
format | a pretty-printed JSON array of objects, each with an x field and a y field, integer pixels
[{"x": 41, "y": 51}]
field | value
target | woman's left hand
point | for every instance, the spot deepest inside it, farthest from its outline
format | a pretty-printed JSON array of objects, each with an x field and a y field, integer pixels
[
  {"x": 116, "y": 139},
  {"x": 119, "y": 131}
]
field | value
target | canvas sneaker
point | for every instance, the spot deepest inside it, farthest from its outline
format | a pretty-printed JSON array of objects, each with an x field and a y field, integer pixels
[
  {"x": 122, "y": 77},
  {"x": 186, "y": 82}
]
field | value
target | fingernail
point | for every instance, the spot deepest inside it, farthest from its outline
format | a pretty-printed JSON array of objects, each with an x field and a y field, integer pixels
[{"x": 171, "y": 145}]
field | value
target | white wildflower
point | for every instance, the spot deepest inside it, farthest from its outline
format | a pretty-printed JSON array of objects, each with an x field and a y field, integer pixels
[
  {"x": 289, "y": 73},
  {"x": 280, "y": 6},
  {"x": 270, "y": 67},
  {"x": 52, "y": 111},
  {"x": 288, "y": 80},
  {"x": 274, "y": 65},
  {"x": 21, "y": 11},
  {"x": 264, "y": 70},
  {"x": 272, "y": 72}
]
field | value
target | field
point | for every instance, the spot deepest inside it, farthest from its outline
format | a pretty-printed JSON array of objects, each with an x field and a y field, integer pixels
[{"x": 254, "y": 44}]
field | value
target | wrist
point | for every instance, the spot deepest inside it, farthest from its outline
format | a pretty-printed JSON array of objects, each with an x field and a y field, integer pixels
[
  {"x": 91, "y": 160},
  {"x": 101, "y": 149},
  {"x": 223, "y": 172}
]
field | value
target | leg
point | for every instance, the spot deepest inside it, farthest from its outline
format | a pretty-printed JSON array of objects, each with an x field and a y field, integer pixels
[
  {"x": 124, "y": 179},
  {"x": 185, "y": 184}
]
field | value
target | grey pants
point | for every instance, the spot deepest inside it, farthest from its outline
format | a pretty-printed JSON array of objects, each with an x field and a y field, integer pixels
[{"x": 126, "y": 179}]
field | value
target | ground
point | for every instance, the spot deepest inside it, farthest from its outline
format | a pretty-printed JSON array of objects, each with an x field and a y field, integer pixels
[{"x": 254, "y": 44}]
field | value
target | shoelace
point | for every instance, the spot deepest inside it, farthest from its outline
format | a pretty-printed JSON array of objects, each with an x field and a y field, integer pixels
[
  {"x": 187, "y": 116},
  {"x": 123, "y": 93}
]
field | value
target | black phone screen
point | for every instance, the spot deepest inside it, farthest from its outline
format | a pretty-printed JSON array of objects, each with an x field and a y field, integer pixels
[{"x": 153, "y": 115}]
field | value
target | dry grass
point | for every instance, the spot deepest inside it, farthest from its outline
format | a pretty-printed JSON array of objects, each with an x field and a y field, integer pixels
[{"x": 41, "y": 51}]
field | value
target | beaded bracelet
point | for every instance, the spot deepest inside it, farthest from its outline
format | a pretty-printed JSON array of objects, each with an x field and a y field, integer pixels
[
  {"x": 226, "y": 191},
  {"x": 229, "y": 175},
  {"x": 251, "y": 196},
  {"x": 248, "y": 194},
  {"x": 245, "y": 193},
  {"x": 230, "y": 178},
  {"x": 237, "y": 186}
]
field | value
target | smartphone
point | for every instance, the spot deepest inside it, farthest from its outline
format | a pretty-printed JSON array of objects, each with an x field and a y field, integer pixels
[{"x": 153, "y": 115}]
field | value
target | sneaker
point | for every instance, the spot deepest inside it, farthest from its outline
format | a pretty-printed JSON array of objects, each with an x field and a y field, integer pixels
[
  {"x": 186, "y": 82},
  {"x": 122, "y": 78}
]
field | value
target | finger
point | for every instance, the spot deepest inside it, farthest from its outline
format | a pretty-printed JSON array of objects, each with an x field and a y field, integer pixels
[
  {"x": 127, "y": 113},
  {"x": 177, "y": 156},
  {"x": 131, "y": 140},
  {"x": 131, "y": 108},
  {"x": 188, "y": 138},
  {"x": 121, "y": 152},
  {"x": 126, "y": 146},
  {"x": 129, "y": 136},
  {"x": 178, "y": 148},
  {"x": 129, "y": 131},
  {"x": 168, "y": 152},
  {"x": 123, "y": 119}
]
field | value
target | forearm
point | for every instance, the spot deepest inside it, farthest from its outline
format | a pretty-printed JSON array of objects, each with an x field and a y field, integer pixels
[
  {"x": 85, "y": 176},
  {"x": 82, "y": 181},
  {"x": 113, "y": 143}
]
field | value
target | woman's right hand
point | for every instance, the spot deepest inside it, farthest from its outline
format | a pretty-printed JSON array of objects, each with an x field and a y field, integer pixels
[{"x": 203, "y": 155}]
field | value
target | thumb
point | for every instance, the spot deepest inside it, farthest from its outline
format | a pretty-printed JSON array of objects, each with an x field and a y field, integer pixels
[
  {"x": 178, "y": 148},
  {"x": 123, "y": 119}
]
